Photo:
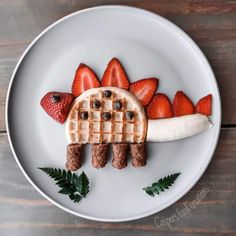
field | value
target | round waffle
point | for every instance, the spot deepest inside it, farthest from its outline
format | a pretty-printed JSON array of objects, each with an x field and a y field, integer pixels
[{"x": 117, "y": 129}]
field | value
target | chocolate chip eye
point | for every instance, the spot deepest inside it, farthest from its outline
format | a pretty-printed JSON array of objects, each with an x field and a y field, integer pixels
[
  {"x": 96, "y": 104},
  {"x": 117, "y": 105},
  {"x": 55, "y": 98},
  {"x": 107, "y": 93},
  {"x": 129, "y": 115},
  {"x": 84, "y": 115},
  {"x": 106, "y": 116}
]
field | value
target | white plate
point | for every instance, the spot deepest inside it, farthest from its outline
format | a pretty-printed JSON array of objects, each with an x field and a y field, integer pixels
[{"x": 148, "y": 45}]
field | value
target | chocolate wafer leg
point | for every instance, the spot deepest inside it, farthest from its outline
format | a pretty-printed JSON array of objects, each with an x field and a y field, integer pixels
[
  {"x": 74, "y": 156},
  {"x": 119, "y": 155},
  {"x": 137, "y": 151},
  {"x": 99, "y": 154}
]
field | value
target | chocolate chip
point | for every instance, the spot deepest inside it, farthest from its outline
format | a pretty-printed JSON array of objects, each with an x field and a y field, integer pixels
[
  {"x": 96, "y": 104},
  {"x": 106, "y": 116},
  {"x": 117, "y": 105},
  {"x": 129, "y": 115},
  {"x": 107, "y": 93},
  {"x": 84, "y": 115},
  {"x": 55, "y": 98}
]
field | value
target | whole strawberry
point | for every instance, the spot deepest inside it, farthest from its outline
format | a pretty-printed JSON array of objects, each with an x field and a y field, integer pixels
[{"x": 57, "y": 105}]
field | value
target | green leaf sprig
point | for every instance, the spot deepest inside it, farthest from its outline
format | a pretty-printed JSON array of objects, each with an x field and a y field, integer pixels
[
  {"x": 161, "y": 185},
  {"x": 72, "y": 185}
]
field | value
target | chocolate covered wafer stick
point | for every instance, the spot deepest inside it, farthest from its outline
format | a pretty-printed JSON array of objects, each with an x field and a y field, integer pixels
[
  {"x": 119, "y": 155},
  {"x": 137, "y": 152},
  {"x": 74, "y": 156},
  {"x": 99, "y": 154}
]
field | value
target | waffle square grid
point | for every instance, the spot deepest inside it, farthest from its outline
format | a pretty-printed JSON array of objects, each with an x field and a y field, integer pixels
[{"x": 117, "y": 129}]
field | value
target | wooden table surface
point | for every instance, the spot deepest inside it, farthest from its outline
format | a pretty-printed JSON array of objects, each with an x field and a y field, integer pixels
[{"x": 212, "y": 24}]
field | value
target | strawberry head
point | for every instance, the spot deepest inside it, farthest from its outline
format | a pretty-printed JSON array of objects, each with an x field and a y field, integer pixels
[{"x": 57, "y": 105}]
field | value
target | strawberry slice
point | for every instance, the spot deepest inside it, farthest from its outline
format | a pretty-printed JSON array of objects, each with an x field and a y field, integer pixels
[
  {"x": 182, "y": 105},
  {"x": 84, "y": 79},
  {"x": 160, "y": 107},
  {"x": 57, "y": 105},
  {"x": 204, "y": 105},
  {"x": 144, "y": 89},
  {"x": 115, "y": 75}
]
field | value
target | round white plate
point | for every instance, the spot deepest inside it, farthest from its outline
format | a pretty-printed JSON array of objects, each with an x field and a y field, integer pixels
[{"x": 147, "y": 45}]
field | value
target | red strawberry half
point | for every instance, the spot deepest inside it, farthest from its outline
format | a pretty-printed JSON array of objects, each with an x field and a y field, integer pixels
[
  {"x": 57, "y": 105},
  {"x": 182, "y": 105},
  {"x": 84, "y": 79},
  {"x": 160, "y": 107},
  {"x": 115, "y": 75},
  {"x": 204, "y": 105},
  {"x": 144, "y": 89}
]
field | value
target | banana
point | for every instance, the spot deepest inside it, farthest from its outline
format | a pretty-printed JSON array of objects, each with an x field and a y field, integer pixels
[{"x": 170, "y": 129}]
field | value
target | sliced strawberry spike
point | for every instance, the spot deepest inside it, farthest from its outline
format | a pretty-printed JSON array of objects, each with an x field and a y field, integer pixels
[
  {"x": 84, "y": 79},
  {"x": 57, "y": 105},
  {"x": 144, "y": 89},
  {"x": 182, "y": 105},
  {"x": 115, "y": 75},
  {"x": 204, "y": 105},
  {"x": 160, "y": 107}
]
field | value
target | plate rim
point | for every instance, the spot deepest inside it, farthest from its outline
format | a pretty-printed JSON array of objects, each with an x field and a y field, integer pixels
[{"x": 196, "y": 49}]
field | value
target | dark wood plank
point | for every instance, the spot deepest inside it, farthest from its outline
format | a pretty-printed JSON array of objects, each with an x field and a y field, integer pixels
[
  {"x": 212, "y": 24},
  {"x": 24, "y": 211}
]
